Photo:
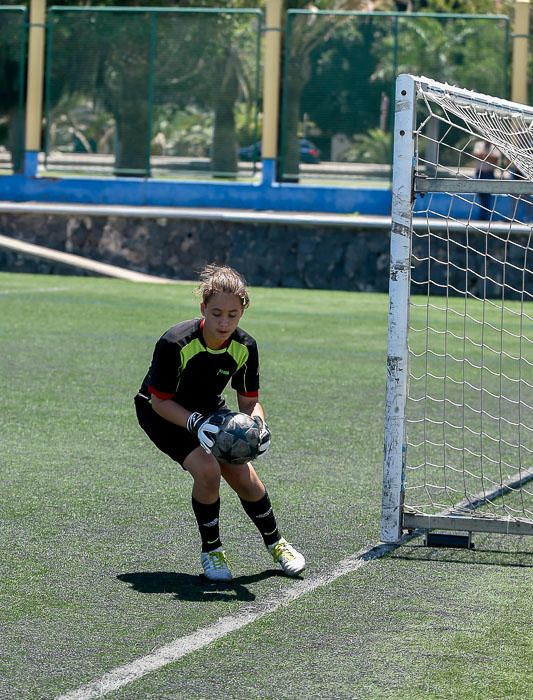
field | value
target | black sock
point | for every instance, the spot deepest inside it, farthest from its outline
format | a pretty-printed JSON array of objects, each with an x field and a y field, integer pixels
[
  {"x": 207, "y": 518},
  {"x": 263, "y": 518}
]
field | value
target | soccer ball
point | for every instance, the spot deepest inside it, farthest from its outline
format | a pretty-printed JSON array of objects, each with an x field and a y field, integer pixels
[{"x": 237, "y": 441}]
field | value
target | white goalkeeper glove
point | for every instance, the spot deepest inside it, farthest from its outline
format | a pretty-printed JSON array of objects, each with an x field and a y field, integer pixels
[
  {"x": 264, "y": 435},
  {"x": 204, "y": 429}
]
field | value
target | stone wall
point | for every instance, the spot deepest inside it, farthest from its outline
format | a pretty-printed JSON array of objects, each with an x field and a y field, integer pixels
[{"x": 274, "y": 255}]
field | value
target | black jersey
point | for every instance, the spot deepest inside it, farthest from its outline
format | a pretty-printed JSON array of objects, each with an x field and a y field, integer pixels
[{"x": 185, "y": 370}]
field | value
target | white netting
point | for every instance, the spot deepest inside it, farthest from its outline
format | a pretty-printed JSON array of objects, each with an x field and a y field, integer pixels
[
  {"x": 508, "y": 132},
  {"x": 469, "y": 418}
]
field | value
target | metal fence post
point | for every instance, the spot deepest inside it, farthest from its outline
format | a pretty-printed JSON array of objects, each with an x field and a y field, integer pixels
[
  {"x": 271, "y": 90},
  {"x": 34, "y": 94},
  {"x": 519, "y": 91}
]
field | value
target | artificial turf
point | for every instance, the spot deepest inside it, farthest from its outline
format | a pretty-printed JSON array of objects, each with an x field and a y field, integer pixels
[{"x": 100, "y": 554}]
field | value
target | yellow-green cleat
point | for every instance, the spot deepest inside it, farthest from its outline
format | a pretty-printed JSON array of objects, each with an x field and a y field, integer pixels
[{"x": 284, "y": 554}]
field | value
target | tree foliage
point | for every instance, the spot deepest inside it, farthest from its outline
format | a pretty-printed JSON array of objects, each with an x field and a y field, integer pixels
[
  {"x": 349, "y": 64},
  {"x": 338, "y": 71}
]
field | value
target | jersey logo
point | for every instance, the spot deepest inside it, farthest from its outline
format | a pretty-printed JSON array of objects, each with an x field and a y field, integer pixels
[{"x": 222, "y": 371}]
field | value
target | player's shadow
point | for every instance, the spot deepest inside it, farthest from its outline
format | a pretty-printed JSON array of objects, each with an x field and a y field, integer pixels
[{"x": 194, "y": 588}]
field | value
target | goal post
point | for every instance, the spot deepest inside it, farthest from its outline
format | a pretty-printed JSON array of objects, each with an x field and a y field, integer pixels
[{"x": 458, "y": 443}]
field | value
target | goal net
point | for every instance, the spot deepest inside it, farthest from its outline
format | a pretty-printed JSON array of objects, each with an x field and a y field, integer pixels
[{"x": 459, "y": 405}]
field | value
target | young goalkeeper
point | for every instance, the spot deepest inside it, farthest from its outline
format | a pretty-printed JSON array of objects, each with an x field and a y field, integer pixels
[{"x": 191, "y": 365}]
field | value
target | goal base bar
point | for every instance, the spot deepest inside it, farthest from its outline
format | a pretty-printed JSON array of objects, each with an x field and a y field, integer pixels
[
  {"x": 439, "y": 539},
  {"x": 416, "y": 521}
]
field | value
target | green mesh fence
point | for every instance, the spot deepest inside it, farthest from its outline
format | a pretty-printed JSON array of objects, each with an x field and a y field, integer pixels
[
  {"x": 338, "y": 83},
  {"x": 152, "y": 92},
  {"x": 13, "y": 28}
]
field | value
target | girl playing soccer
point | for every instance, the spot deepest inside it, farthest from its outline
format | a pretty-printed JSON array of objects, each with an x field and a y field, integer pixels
[{"x": 191, "y": 365}]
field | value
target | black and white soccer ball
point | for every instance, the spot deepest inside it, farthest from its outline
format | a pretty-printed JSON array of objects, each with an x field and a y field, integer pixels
[{"x": 237, "y": 441}]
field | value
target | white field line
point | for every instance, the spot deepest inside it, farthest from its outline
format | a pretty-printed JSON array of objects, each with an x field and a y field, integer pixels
[
  {"x": 34, "y": 290},
  {"x": 179, "y": 648}
]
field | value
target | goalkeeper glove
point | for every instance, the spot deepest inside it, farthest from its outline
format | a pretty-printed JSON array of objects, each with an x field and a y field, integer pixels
[
  {"x": 204, "y": 429},
  {"x": 264, "y": 435}
]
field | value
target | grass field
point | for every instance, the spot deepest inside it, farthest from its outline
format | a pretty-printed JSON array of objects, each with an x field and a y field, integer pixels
[{"x": 100, "y": 554}]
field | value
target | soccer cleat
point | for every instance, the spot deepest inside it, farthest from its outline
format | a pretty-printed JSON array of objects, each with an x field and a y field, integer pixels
[
  {"x": 216, "y": 565},
  {"x": 284, "y": 554}
]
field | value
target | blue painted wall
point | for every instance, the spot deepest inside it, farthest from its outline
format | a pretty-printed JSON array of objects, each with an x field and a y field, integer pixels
[{"x": 267, "y": 195}]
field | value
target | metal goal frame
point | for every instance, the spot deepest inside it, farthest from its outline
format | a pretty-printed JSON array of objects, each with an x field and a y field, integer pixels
[{"x": 406, "y": 184}]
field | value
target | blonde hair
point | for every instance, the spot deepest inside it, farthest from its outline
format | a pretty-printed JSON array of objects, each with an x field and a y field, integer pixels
[{"x": 219, "y": 279}]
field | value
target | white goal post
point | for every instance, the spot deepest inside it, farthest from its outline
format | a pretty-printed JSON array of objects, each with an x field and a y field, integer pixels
[{"x": 459, "y": 399}]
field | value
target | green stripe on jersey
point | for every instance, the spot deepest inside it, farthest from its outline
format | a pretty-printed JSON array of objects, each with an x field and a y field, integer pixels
[
  {"x": 193, "y": 348},
  {"x": 239, "y": 353}
]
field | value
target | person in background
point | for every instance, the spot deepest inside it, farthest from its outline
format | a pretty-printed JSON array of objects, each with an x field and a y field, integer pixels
[{"x": 487, "y": 158}]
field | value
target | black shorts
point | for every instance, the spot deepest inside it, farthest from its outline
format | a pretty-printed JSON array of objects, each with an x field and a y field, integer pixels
[{"x": 174, "y": 441}]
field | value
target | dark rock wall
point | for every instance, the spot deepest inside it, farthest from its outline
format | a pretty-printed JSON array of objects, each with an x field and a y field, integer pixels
[{"x": 273, "y": 255}]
